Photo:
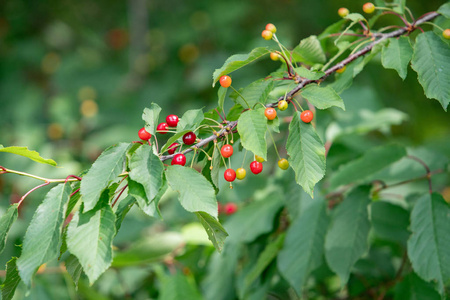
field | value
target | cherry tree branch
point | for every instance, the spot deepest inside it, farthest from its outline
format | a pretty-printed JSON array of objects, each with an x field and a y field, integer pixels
[{"x": 381, "y": 37}]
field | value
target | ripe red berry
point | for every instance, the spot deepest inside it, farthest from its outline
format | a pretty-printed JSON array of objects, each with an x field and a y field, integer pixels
[
  {"x": 225, "y": 81},
  {"x": 227, "y": 150},
  {"x": 267, "y": 34},
  {"x": 189, "y": 138},
  {"x": 144, "y": 135},
  {"x": 307, "y": 116},
  {"x": 179, "y": 159},
  {"x": 229, "y": 175},
  {"x": 162, "y": 128},
  {"x": 270, "y": 113},
  {"x": 271, "y": 28},
  {"x": 256, "y": 167},
  {"x": 172, "y": 120},
  {"x": 446, "y": 34},
  {"x": 172, "y": 148},
  {"x": 230, "y": 208},
  {"x": 368, "y": 8}
]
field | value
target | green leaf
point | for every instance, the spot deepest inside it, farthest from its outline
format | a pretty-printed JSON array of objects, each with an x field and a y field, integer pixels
[
  {"x": 412, "y": 287},
  {"x": 12, "y": 280},
  {"x": 221, "y": 93},
  {"x": 346, "y": 239},
  {"x": 6, "y": 222},
  {"x": 252, "y": 126},
  {"x": 444, "y": 10},
  {"x": 306, "y": 153},
  {"x": 390, "y": 222},
  {"x": 304, "y": 244},
  {"x": 43, "y": 237},
  {"x": 344, "y": 81},
  {"x": 429, "y": 243},
  {"x": 264, "y": 260},
  {"x": 104, "y": 170},
  {"x": 372, "y": 161},
  {"x": 74, "y": 269},
  {"x": 256, "y": 92},
  {"x": 195, "y": 192},
  {"x": 178, "y": 286},
  {"x": 355, "y": 17},
  {"x": 308, "y": 74},
  {"x": 322, "y": 97},
  {"x": 253, "y": 220},
  {"x": 397, "y": 55},
  {"x": 23, "y": 151},
  {"x": 153, "y": 248},
  {"x": 122, "y": 209},
  {"x": 173, "y": 139},
  {"x": 309, "y": 51},
  {"x": 89, "y": 238},
  {"x": 147, "y": 169},
  {"x": 150, "y": 116},
  {"x": 150, "y": 208},
  {"x": 238, "y": 61},
  {"x": 431, "y": 61},
  {"x": 190, "y": 120},
  {"x": 399, "y": 6},
  {"x": 216, "y": 233}
]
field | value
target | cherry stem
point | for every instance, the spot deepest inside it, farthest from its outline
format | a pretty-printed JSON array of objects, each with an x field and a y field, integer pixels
[
  {"x": 120, "y": 194},
  {"x": 30, "y": 191},
  {"x": 212, "y": 120},
  {"x": 76, "y": 191},
  {"x": 273, "y": 141},
  {"x": 427, "y": 169},
  {"x": 390, "y": 12},
  {"x": 243, "y": 161},
  {"x": 223, "y": 119},
  {"x": 240, "y": 96}
]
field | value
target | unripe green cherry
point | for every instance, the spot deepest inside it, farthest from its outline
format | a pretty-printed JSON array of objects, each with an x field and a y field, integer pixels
[
  {"x": 259, "y": 158},
  {"x": 240, "y": 173},
  {"x": 368, "y": 8},
  {"x": 343, "y": 12},
  {"x": 446, "y": 34},
  {"x": 282, "y": 105},
  {"x": 283, "y": 164},
  {"x": 267, "y": 34}
]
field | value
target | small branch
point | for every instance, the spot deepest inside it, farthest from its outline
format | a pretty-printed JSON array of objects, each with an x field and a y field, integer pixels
[
  {"x": 65, "y": 180},
  {"x": 427, "y": 168}
]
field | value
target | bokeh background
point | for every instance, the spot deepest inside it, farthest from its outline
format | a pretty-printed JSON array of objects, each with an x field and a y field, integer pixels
[{"x": 75, "y": 77}]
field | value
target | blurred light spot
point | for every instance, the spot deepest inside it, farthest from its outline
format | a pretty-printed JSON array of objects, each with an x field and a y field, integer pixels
[
  {"x": 87, "y": 92},
  {"x": 142, "y": 64},
  {"x": 50, "y": 63},
  {"x": 155, "y": 38},
  {"x": 55, "y": 131},
  {"x": 89, "y": 108},
  {"x": 58, "y": 35},
  {"x": 117, "y": 38},
  {"x": 200, "y": 20},
  {"x": 188, "y": 53}
]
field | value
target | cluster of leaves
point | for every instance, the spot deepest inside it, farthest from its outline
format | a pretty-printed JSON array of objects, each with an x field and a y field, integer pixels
[{"x": 297, "y": 238}]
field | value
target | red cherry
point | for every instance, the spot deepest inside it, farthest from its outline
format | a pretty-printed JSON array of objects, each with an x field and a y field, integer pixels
[
  {"x": 229, "y": 175},
  {"x": 179, "y": 159},
  {"x": 162, "y": 128},
  {"x": 225, "y": 81},
  {"x": 172, "y": 120},
  {"x": 270, "y": 113},
  {"x": 230, "y": 208},
  {"x": 144, "y": 135},
  {"x": 307, "y": 116},
  {"x": 256, "y": 167},
  {"x": 227, "y": 150},
  {"x": 189, "y": 138},
  {"x": 172, "y": 148}
]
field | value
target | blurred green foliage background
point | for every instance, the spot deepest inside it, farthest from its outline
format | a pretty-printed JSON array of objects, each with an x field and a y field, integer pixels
[{"x": 76, "y": 75}]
